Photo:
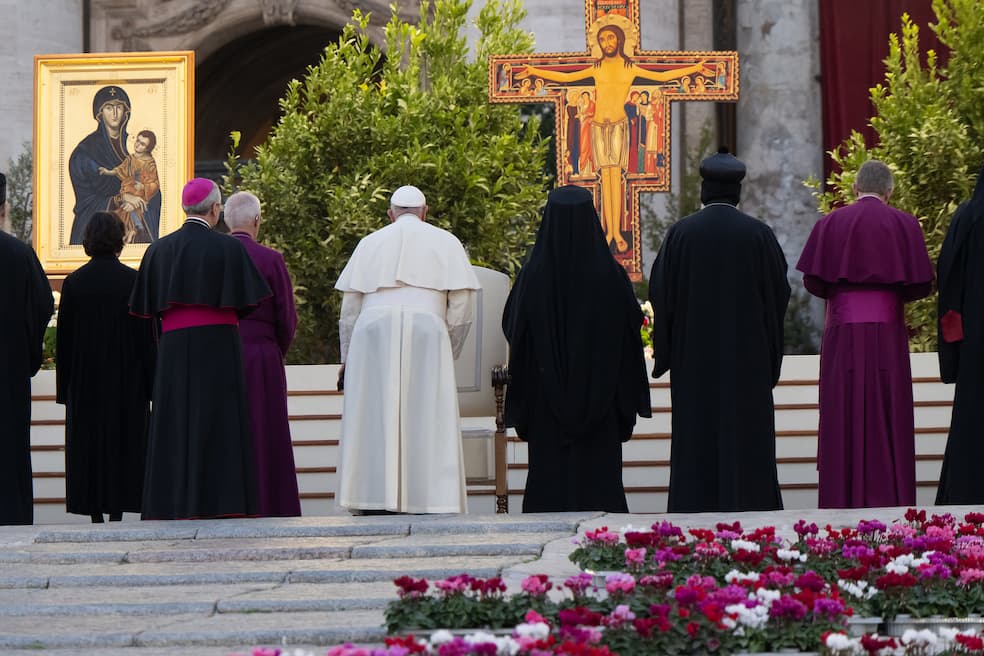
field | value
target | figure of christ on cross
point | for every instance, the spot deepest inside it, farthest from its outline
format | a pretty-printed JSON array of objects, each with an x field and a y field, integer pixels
[
  {"x": 613, "y": 76},
  {"x": 599, "y": 137}
]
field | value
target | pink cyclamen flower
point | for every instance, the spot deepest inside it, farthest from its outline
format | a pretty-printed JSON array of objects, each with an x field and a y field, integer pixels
[
  {"x": 620, "y": 616},
  {"x": 970, "y": 575},
  {"x": 536, "y": 585},
  {"x": 579, "y": 584},
  {"x": 619, "y": 582},
  {"x": 635, "y": 557}
]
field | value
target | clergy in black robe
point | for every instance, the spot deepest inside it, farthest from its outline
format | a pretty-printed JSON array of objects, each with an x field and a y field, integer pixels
[
  {"x": 105, "y": 366},
  {"x": 719, "y": 292},
  {"x": 960, "y": 275},
  {"x": 200, "y": 460},
  {"x": 576, "y": 365},
  {"x": 26, "y": 305}
]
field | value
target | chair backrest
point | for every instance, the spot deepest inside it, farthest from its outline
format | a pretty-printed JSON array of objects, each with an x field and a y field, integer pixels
[{"x": 484, "y": 347}]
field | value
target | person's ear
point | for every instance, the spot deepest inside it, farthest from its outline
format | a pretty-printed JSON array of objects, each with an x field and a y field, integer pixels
[{"x": 391, "y": 215}]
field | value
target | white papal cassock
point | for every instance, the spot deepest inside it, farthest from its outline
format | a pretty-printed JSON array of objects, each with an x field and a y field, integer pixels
[{"x": 406, "y": 311}]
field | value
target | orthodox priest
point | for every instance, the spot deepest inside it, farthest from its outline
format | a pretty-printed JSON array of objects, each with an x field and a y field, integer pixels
[
  {"x": 576, "y": 365},
  {"x": 409, "y": 291},
  {"x": 960, "y": 272},
  {"x": 719, "y": 293},
  {"x": 26, "y": 305},
  {"x": 200, "y": 460},
  {"x": 867, "y": 260}
]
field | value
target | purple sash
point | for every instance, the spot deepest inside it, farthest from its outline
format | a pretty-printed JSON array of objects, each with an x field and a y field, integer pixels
[{"x": 863, "y": 306}]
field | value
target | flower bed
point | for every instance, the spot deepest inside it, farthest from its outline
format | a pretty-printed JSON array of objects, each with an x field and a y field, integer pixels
[{"x": 722, "y": 591}]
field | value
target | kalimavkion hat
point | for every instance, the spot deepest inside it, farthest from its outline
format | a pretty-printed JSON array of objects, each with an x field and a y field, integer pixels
[
  {"x": 722, "y": 167},
  {"x": 196, "y": 191},
  {"x": 721, "y": 175},
  {"x": 408, "y": 196}
]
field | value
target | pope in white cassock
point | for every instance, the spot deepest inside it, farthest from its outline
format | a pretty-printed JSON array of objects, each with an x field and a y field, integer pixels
[{"x": 408, "y": 296}]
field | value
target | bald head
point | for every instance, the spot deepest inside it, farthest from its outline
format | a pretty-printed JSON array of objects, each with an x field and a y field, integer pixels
[{"x": 242, "y": 212}]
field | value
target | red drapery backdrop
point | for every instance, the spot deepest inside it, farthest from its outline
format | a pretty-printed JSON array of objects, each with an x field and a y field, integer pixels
[{"x": 853, "y": 48}]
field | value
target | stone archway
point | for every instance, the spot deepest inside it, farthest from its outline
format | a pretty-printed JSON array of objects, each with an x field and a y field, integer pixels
[
  {"x": 245, "y": 51},
  {"x": 239, "y": 85}
]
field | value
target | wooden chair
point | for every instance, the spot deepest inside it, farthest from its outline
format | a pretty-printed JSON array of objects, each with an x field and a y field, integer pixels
[{"x": 482, "y": 377}]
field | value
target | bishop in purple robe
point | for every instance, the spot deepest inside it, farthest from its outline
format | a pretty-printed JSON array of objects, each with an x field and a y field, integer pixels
[
  {"x": 267, "y": 333},
  {"x": 867, "y": 260}
]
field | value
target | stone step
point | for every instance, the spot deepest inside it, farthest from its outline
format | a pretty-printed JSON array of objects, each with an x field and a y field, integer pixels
[
  {"x": 188, "y": 599},
  {"x": 276, "y": 549},
  {"x": 232, "y": 631},
  {"x": 84, "y": 575}
]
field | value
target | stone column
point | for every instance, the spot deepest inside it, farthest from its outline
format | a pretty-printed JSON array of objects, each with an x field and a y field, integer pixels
[
  {"x": 779, "y": 133},
  {"x": 30, "y": 28}
]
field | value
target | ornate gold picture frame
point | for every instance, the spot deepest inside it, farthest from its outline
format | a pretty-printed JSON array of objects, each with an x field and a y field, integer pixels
[{"x": 115, "y": 133}]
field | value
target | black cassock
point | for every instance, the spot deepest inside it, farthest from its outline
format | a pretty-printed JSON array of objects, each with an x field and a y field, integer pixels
[
  {"x": 105, "y": 368},
  {"x": 719, "y": 292},
  {"x": 576, "y": 365},
  {"x": 26, "y": 305},
  {"x": 960, "y": 275},
  {"x": 200, "y": 460}
]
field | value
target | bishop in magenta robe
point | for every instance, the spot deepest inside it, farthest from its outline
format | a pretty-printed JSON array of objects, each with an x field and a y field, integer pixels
[{"x": 867, "y": 260}]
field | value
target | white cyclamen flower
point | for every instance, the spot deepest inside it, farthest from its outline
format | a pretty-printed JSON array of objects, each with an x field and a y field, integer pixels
[
  {"x": 924, "y": 638},
  {"x": 537, "y": 630},
  {"x": 746, "y": 545},
  {"x": 840, "y": 642},
  {"x": 440, "y": 637},
  {"x": 735, "y": 576},
  {"x": 790, "y": 554},
  {"x": 480, "y": 637}
]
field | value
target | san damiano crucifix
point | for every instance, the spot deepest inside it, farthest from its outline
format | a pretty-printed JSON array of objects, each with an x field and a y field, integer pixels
[{"x": 613, "y": 112}]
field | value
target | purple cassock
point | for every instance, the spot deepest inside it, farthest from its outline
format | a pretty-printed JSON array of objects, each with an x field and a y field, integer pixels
[
  {"x": 866, "y": 260},
  {"x": 266, "y": 334}
]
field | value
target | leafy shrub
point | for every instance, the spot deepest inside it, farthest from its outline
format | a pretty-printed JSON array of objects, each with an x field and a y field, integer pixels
[{"x": 361, "y": 124}]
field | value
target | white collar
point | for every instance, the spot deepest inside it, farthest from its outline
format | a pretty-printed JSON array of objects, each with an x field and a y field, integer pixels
[
  {"x": 725, "y": 204},
  {"x": 199, "y": 220}
]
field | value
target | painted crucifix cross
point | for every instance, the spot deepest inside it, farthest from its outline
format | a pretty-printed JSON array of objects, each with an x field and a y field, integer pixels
[{"x": 613, "y": 112}]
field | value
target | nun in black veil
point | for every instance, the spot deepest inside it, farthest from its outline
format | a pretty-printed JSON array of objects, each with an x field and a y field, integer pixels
[{"x": 576, "y": 364}]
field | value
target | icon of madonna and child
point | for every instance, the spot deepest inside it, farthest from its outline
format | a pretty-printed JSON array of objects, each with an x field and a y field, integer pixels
[{"x": 107, "y": 177}]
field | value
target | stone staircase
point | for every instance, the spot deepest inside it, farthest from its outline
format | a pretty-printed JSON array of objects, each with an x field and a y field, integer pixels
[{"x": 214, "y": 587}]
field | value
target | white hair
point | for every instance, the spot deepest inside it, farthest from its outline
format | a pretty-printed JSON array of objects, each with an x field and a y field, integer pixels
[
  {"x": 241, "y": 208},
  {"x": 202, "y": 207}
]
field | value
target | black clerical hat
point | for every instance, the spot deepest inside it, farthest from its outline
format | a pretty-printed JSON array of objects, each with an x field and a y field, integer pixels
[
  {"x": 722, "y": 167},
  {"x": 722, "y": 174}
]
